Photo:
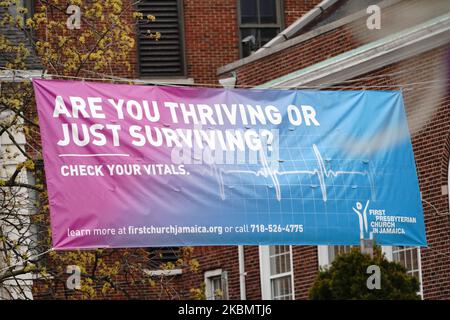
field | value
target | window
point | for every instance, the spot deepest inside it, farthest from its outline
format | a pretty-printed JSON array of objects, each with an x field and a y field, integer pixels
[
  {"x": 337, "y": 250},
  {"x": 259, "y": 22},
  {"x": 27, "y": 4},
  {"x": 165, "y": 57},
  {"x": 216, "y": 285},
  {"x": 409, "y": 257},
  {"x": 159, "y": 257},
  {"x": 162, "y": 262},
  {"x": 327, "y": 254},
  {"x": 276, "y": 272}
]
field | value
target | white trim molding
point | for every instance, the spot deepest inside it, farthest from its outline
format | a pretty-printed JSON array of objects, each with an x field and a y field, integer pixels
[
  {"x": 208, "y": 276},
  {"x": 19, "y": 75},
  {"x": 289, "y": 42},
  {"x": 264, "y": 270},
  {"x": 372, "y": 56},
  {"x": 163, "y": 273}
]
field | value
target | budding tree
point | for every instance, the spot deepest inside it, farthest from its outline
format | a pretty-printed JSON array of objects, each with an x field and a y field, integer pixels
[{"x": 67, "y": 39}]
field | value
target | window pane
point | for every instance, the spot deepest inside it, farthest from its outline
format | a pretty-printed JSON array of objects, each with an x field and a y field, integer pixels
[
  {"x": 395, "y": 256},
  {"x": 267, "y": 34},
  {"x": 408, "y": 259},
  {"x": 342, "y": 249},
  {"x": 159, "y": 257},
  {"x": 216, "y": 286},
  {"x": 415, "y": 262},
  {"x": 280, "y": 263},
  {"x": 281, "y": 288},
  {"x": 248, "y": 46},
  {"x": 268, "y": 11},
  {"x": 245, "y": 32},
  {"x": 249, "y": 12},
  {"x": 402, "y": 258},
  {"x": 280, "y": 259},
  {"x": 274, "y": 250}
]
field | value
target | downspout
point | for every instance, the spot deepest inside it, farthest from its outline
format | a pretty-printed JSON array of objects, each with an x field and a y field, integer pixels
[
  {"x": 242, "y": 273},
  {"x": 299, "y": 24}
]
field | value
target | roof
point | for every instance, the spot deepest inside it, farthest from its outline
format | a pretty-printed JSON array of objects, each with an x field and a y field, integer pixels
[
  {"x": 345, "y": 12},
  {"x": 372, "y": 56}
]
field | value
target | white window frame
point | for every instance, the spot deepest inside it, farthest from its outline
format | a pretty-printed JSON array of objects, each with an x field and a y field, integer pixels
[
  {"x": 387, "y": 250},
  {"x": 266, "y": 277},
  {"x": 279, "y": 6},
  {"x": 323, "y": 255},
  {"x": 209, "y": 275}
]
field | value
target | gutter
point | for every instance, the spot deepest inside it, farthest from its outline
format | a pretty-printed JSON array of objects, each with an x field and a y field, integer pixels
[{"x": 300, "y": 23}]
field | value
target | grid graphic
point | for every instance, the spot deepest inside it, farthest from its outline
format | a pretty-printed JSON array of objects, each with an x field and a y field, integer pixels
[{"x": 305, "y": 186}]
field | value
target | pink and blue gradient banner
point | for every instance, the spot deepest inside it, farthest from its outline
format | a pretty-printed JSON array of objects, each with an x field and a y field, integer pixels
[{"x": 143, "y": 166}]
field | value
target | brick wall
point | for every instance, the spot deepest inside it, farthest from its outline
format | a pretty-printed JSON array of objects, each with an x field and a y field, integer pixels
[
  {"x": 212, "y": 34},
  {"x": 323, "y": 46},
  {"x": 294, "y": 9},
  {"x": 117, "y": 67},
  {"x": 427, "y": 108},
  {"x": 305, "y": 263},
  {"x": 211, "y": 40},
  {"x": 211, "y": 258}
]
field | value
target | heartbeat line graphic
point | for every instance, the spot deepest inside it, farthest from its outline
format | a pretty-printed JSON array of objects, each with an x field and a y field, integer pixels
[{"x": 267, "y": 172}]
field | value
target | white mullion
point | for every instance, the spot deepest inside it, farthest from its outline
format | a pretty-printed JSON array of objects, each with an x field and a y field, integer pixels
[
  {"x": 280, "y": 275},
  {"x": 292, "y": 273}
]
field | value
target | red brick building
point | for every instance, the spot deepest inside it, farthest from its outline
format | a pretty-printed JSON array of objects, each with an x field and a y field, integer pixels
[
  {"x": 334, "y": 46},
  {"x": 338, "y": 51},
  {"x": 197, "y": 37}
]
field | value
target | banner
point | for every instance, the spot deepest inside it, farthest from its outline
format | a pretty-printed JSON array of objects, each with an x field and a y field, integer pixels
[{"x": 142, "y": 166}]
